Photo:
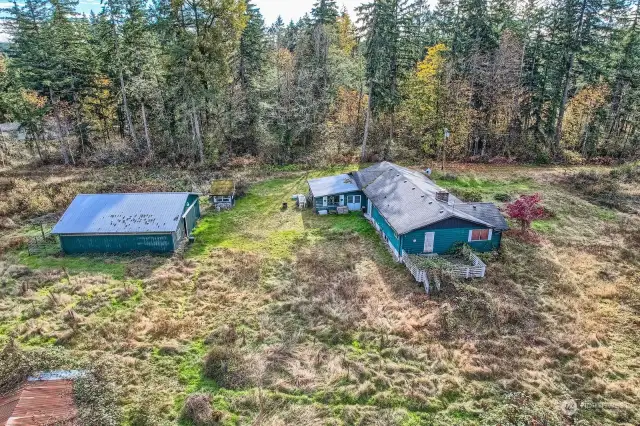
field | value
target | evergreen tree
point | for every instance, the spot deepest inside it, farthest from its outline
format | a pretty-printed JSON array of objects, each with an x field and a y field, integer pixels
[{"x": 325, "y": 12}]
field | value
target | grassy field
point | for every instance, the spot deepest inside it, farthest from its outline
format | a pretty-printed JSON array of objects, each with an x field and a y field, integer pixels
[{"x": 283, "y": 317}]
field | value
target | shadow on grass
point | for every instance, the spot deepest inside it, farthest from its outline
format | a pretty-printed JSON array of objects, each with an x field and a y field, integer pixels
[{"x": 118, "y": 267}]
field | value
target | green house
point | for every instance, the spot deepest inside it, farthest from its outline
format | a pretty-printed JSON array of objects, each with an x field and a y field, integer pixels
[
  {"x": 329, "y": 193},
  {"x": 118, "y": 223},
  {"x": 414, "y": 215}
]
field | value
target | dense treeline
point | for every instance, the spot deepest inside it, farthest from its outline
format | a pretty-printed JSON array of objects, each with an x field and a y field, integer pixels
[{"x": 205, "y": 81}]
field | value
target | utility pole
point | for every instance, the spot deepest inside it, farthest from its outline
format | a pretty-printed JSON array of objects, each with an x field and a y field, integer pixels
[{"x": 444, "y": 147}]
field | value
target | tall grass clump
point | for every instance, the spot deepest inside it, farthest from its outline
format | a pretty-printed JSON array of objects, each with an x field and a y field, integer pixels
[{"x": 198, "y": 410}]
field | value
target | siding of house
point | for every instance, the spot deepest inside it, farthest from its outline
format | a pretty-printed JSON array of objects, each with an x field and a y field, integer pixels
[
  {"x": 446, "y": 238},
  {"x": 386, "y": 229},
  {"x": 157, "y": 243},
  {"x": 193, "y": 214},
  {"x": 317, "y": 201}
]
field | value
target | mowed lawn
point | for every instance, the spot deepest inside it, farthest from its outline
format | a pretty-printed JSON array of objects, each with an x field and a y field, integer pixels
[{"x": 285, "y": 317}]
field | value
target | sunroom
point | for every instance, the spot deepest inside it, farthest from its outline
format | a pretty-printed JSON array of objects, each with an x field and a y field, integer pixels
[{"x": 332, "y": 192}]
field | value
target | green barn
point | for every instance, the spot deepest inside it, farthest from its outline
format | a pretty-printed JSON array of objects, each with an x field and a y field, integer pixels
[
  {"x": 412, "y": 213},
  {"x": 119, "y": 223}
]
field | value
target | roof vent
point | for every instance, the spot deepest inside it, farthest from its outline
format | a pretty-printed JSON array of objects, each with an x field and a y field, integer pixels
[
  {"x": 413, "y": 189},
  {"x": 474, "y": 207},
  {"x": 442, "y": 196},
  {"x": 441, "y": 211}
]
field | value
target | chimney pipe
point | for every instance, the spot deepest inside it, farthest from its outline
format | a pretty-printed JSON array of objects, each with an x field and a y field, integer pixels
[{"x": 442, "y": 196}]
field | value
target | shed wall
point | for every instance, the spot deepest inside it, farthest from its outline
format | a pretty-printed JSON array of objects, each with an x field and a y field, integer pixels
[
  {"x": 193, "y": 214},
  {"x": 158, "y": 243}
]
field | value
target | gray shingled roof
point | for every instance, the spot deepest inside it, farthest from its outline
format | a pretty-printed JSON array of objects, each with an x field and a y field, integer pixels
[
  {"x": 406, "y": 199},
  {"x": 332, "y": 185},
  {"x": 122, "y": 213},
  {"x": 487, "y": 212}
]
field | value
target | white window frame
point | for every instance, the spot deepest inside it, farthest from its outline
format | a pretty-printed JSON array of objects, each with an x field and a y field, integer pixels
[
  {"x": 221, "y": 199},
  {"x": 335, "y": 198},
  {"x": 489, "y": 235}
]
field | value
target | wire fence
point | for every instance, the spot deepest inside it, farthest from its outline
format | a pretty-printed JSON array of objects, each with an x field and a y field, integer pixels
[{"x": 43, "y": 245}]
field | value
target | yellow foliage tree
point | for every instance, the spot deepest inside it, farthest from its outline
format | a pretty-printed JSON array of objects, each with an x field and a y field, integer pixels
[
  {"x": 99, "y": 108},
  {"x": 346, "y": 33},
  {"x": 424, "y": 93},
  {"x": 347, "y": 116},
  {"x": 581, "y": 113}
]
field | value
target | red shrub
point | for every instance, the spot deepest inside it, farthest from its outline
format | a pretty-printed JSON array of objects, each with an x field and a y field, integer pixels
[{"x": 526, "y": 209}]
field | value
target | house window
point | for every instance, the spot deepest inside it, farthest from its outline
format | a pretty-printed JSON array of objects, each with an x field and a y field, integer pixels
[
  {"x": 220, "y": 199},
  {"x": 333, "y": 199},
  {"x": 479, "y": 235}
]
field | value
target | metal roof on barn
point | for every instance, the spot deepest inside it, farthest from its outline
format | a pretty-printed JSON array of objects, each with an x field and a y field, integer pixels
[
  {"x": 158, "y": 212},
  {"x": 222, "y": 187},
  {"x": 407, "y": 199},
  {"x": 332, "y": 185}
]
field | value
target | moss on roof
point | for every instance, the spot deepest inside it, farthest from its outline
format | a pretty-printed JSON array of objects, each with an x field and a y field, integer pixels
[{"x": 222, "y": 187}]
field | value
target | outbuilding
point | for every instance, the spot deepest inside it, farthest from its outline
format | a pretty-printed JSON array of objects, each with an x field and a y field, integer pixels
[
  {"x": 118, "y": 223},
  {"x": 329, "y": 193},
  {"x": 222, "y": 194}
]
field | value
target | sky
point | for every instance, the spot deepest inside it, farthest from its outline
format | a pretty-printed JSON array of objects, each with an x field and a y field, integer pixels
[
  {"x": 295, "y": 9},
  {"x": 288, "y": 9},
  {"x": 270, "y": 9}
]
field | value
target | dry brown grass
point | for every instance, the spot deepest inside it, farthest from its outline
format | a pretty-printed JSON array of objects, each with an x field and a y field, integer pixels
[{"x": 338, "y": 334}]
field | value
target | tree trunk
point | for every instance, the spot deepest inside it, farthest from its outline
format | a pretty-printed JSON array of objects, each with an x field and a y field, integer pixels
[
  {"x": 3, "y": 148},
  {"x": 366, "y": 128},
  {"x": 360, "y": 95},
  {"x": 146, "y": 130},
  {"x": 567, "y": 79},
  {"x": 197, "y": 135},
  {"x": 125, "y": 106},
  {"x": 392, "y": 126},
  {"x": 63, "y": 150}
]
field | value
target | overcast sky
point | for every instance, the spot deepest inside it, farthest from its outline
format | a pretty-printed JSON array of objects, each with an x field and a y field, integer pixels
[
  {"x": 295, "y": 9},
  {"x": 288, "y": 9}
]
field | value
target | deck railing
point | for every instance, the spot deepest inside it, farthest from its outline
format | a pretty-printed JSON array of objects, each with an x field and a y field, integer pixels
[
  {"x": 476, "y": 271},
  {"x": 421, "y": 274}
]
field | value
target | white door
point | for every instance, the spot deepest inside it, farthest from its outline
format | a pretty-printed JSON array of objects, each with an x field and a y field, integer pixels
[
  {"x": 342, "y": 200},
  {"x": 354, "y": 202},
  {"x": 428, "y": 241},
  {"x": 369, "y": 207}
]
